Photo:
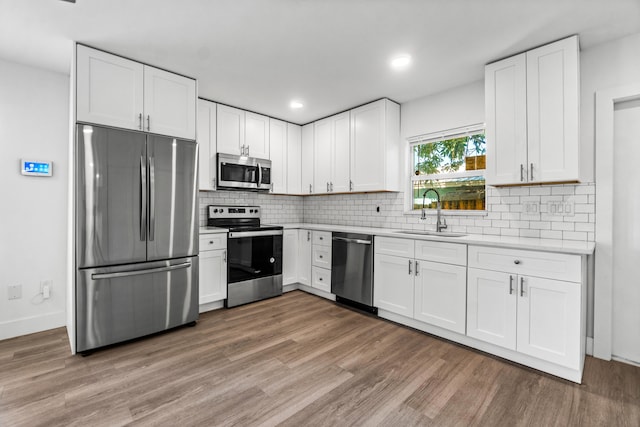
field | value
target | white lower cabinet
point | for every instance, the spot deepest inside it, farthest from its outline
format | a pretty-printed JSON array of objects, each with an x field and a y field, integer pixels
[
  {"x": 419, "y": 288},
  {"x": 321, "y": 278},
  {"x": 212, "y": 277},
  {"x": 289, "y": 257},
  {"x": 304, "y": 257},
  {"x": 321, "y": 260}
]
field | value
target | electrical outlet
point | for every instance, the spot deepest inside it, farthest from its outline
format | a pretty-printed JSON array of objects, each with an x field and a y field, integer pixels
[
  {"x": 531, "y": 207},
  {"x": 45, "y": 288},
  {"x": 15, "y": 291},
  {"x": 566, "y": 208}
]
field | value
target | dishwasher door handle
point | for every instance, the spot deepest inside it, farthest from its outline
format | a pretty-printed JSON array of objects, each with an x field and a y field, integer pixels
[{"x": 359, "y": 241}]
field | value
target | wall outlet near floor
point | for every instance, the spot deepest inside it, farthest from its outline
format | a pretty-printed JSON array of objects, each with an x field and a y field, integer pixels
[
  {"x": 565, "y": 208},
  {"x": 15, "y": 291}
]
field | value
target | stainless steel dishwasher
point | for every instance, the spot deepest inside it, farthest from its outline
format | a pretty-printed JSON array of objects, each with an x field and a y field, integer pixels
[{"x": 352, "y": 269}]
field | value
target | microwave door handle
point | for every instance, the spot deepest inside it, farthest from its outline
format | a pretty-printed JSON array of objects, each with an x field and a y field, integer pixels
[{"x": 259, "y": 175}]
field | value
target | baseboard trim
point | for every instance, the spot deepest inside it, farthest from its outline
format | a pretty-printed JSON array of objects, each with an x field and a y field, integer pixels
[
  {"x": 215, "y": 305},
  {"x": 589, "y": 349},
  {"x": 29, "y": 325}
]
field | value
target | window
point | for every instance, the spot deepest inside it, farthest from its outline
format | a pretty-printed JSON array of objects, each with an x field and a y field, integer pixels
[{"x": 453, "y": 163}]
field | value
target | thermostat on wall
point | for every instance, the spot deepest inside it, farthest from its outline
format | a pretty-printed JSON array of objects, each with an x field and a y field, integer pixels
[{"x": 36, "y": 168}]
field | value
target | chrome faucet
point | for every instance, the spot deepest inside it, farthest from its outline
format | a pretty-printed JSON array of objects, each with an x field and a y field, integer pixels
[{"x": 441, "y": 223}]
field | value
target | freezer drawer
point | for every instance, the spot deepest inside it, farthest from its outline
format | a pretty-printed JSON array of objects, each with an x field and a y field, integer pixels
[{"x": 116, "y": 304}]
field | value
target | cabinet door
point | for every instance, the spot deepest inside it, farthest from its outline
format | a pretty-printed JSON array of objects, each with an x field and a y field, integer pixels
[
  {"x": 294, "y": 157},
  {"x": 322, "y": 155},
  {"x": 549, "y": 320},
  {"x": 109, "y": 89},
  {"x": 278, "y": 155},
  {"x": 304, "y": 257},
  {"x": 393, "y": 279},
  {"x": 206, "y": 138},
  {"x": 506, "y": 121},
  {"x": 491, "y": 307},
  {"x": 553, "y": 91},
  {"x": 441, "y": 294},
  {"x": 257, "y": 135},
  {"x": 307, "y": 159},
  {"x": 368, "y": 132},
  {"x": 230, "y": 129},
  {"x": 289, "y": 256},
  {"x": 213, "y": 276},
  {"x": 169, "y": 103},
  {"x": 341, "y": 135}
]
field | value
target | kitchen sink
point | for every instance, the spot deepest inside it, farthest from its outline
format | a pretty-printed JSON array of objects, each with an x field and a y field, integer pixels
[{"x": 431, "y": 233}]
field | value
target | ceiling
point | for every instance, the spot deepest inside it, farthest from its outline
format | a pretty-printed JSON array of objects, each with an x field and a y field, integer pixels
[{"x": 329, "y": 54}]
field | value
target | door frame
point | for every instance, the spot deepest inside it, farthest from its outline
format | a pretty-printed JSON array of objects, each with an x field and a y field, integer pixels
[{"x": 603, "y": 283}]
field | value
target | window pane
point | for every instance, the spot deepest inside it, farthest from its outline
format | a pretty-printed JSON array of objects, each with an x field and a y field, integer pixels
[
  {"x": 450, "y": 156},
  {"x": 455, "y": 194}
]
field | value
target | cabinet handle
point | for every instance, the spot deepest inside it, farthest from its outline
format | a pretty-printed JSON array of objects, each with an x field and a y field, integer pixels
[
  {"x": 327, "y": 186},
  {"x": 224, "y": 257},
  {"x": 417, "y": 269},
  {"x": 410, "y": 272},
  {"x": 531, "y": 171},
  {"x": 310, "y": 189},
  {"x": 140, "y": 121},
  {"x": 320, "y": 279},
  {"x": 211, "y": 242},
  {"x": 517, "y": 261},
  {"x": 332, "y": 186},
  {"x": 350, "y": 185},
  {"x": 213, "y": 182},
  {"x": 510, "y": 285},
  {"x": 308, "y": 236},
  {"x": 148, "y": 123},
  {"x": 522, "y": 286},
  {"x": 321, "y": 238},
  {"x": 521, "y": 172},
  {"x": 247, "y": 150}
]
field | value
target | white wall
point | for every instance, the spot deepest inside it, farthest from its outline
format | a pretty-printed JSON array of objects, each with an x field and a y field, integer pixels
[
  {"x": 34, "y": 110},
  {"x": 604, "y": 66}
]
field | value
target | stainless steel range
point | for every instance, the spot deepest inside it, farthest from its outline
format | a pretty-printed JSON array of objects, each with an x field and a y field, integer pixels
[{"x": 254, "y": 253}]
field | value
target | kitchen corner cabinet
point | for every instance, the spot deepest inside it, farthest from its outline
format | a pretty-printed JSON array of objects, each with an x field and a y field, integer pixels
[
  {"x": 294, "y": 159},
  {"x": 242, "y": 132},
  {"x": 213, "y": 267},
  {"x": 375, "y": 147},
  {"x": 278, "y": 155},
  {"x": 119, "y": 92},
  {"x": 307, "y": 159},
  {"x": 331, "y": 150},
  {"x": 206, "y": 137},
  {"x": 304, "y": 257},
  {"x": 289, "y": 257},
  {"x": 532, "y": 110},
  {"x": 423, "y": 280},
  {"x": 516, "y": 301}
]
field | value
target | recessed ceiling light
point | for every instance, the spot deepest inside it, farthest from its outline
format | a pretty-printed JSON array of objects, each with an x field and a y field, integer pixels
[
  {"x": 296, "y": 105},
  {"x": 401, "y": 62}
]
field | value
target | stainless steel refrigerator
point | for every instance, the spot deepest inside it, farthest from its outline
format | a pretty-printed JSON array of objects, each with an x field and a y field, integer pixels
[{"x": 136, "y": 235}]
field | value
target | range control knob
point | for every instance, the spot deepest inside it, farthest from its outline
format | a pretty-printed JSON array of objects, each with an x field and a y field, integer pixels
[
  {"x": 256, "y": 211},
  {"x": 250, "y": 210},
  {"x": 221, "y": 210},
  {"x": 215, "y": 211}
]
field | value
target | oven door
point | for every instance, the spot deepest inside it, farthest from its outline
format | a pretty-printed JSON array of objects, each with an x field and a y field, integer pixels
[
  {"x": 237, "y": 172},
  {"x": 254, "y": 266}
]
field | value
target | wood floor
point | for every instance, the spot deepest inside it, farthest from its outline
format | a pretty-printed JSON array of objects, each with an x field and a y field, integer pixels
[{"x": 298, "y": 360}]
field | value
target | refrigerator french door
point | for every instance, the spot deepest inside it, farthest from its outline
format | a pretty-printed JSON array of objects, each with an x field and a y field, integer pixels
[{"x": 136, "y": 234}]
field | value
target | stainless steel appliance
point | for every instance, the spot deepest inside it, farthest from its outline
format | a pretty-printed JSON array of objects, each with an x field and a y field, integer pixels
[
  {"x": 243, "y": 173},
  {"x": 136, "y": 235},
  {"x": 352, "y": 269},
  {"x": 254, "y": 253}
]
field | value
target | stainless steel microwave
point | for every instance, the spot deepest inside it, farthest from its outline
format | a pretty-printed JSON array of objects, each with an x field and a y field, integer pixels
[{"x": 243, "y": 173}]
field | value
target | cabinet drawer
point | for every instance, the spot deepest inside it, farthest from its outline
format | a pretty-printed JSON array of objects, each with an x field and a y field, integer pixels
[
  {"x": 322, "y": 238},
  {"x": 210, "y": 242},
  {"x": 394, "y": 247},
  {"x": 321, "y": 256},
  {"x": 321, "y": 279},
  {"x": 448, "y": 253},
  {"x": 532, "y": 263}
]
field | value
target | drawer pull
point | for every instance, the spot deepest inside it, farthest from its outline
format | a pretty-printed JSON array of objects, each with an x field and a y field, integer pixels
[
  {"x": 320, "y": 279},
  {"x": 211, "y": 242},
  {"x": 517, "y": 261},
  {"x": 320, "y": 256}
]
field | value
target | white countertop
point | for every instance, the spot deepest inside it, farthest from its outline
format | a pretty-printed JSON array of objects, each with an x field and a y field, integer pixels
[{"x": 547, "y": 245}]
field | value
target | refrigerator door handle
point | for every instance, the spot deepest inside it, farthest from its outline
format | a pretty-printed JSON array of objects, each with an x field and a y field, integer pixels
[
  {"x": 143, "y": 200},
  {"x": 152, "y": 198},
  {"x": 98, "y": 276}
]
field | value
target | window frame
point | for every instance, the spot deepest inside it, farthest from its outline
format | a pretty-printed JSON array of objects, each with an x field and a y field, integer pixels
[{"x": 460, "y": 132}]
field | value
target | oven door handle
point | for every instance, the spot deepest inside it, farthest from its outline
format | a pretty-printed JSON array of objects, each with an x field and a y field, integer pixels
[{"x": 240, "y": 234}]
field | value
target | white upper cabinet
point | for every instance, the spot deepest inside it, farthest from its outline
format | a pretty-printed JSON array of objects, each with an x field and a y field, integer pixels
[
  {"x": 294, "y": 158},
  {"x": 256, "y": 135},
  {"x": 169, "y": 103},
  {"x": 119, "y": 92},
  {"x": 375, "y": 147},
  {"x": 307, "y": 159},
  {"x": 109, "y": 89},
  {"x": 242, "y": 133},
  {"x": 206, "y": 137},
  {"x": 331, "y": 154},
  {"x": 532, "y": 108},
  {"x": 230, "y": 130},
  {"x": 278, "y": 155}
]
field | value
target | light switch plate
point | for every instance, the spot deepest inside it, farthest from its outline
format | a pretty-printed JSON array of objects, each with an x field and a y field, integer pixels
[{"x": 15, "y": 291}]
